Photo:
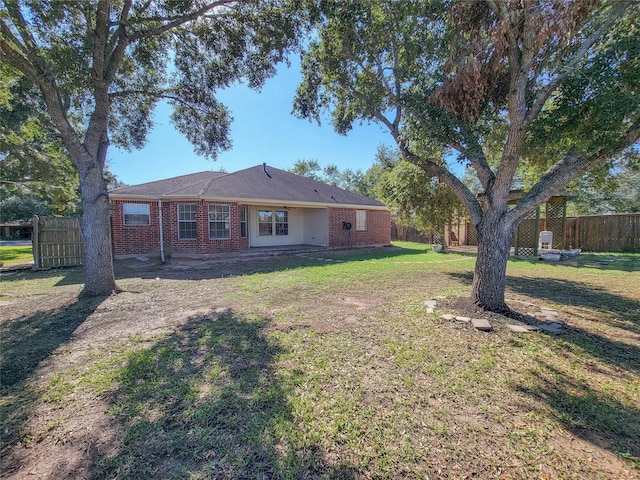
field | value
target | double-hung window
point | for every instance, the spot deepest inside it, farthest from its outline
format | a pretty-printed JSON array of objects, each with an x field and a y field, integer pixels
[
  {"x": 361, "y": 219},
  {"x": 187, "y": 224},
  {"x": 243, "y": 221},
  {"x": 282, "y": 223},
  {"x": 265, "y": 223},
  {"x": 136, "y": 214},
  {"x": 219, "y": 222},
  {"x": 273, "y": 222}
]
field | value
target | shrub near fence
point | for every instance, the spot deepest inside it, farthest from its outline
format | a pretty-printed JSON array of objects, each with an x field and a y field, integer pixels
[{"x": 604, "y": 233}]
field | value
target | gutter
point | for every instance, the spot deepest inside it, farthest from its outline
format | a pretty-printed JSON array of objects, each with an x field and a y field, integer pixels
[{"x": 162, "y": 259}]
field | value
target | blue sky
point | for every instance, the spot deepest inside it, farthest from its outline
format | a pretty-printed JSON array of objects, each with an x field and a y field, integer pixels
[{"x": 263, "y": 130}]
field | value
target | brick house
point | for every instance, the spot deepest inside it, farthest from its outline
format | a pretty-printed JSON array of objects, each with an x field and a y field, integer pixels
[{"x": 212, "y": 212}]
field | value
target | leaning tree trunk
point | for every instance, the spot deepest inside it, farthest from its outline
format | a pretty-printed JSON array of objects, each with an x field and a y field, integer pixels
[
  {"x": 95, "y": 228},
  {"x": 490, "y": 276}
]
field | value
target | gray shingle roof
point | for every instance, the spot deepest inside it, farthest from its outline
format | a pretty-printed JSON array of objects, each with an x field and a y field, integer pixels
[{"x": 250, "y": 184}]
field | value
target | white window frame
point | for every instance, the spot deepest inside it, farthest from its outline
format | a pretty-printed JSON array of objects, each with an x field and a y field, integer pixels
[
  {"x": 281, "y": 227},
  {"x": 193, "y": 221},
  {"x": 244, "y": 216},
  {"x": 261, "y": 223},
  {"x": 222, "y": 215},
  {"x": 361, "y": 220},
  {"x": 278, "y": 223},
  {"x": 136, "y": 210}
]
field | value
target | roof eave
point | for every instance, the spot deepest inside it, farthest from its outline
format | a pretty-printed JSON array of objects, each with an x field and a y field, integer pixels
[{"x": 251, "y": 201}]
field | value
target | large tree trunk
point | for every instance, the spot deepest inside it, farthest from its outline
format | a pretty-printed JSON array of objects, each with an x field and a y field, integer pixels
[
  {"x": 490, "y": 276},
  {"x": 95, "y": 227}
]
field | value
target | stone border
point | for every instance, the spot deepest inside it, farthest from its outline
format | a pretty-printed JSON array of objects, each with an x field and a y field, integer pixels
[{"x": 547, "y": 318}]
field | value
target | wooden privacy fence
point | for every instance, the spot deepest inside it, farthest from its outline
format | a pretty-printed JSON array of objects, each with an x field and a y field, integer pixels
[
  {"x": 410, "y": 234},
  {"x": 56, "y": 242},
  {"x": 604, "y": 233},
  {"x": 597, "y": 233}
]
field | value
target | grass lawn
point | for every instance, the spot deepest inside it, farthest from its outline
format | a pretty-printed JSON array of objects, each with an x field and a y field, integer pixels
[
  {"x": 11, "y": 255},
  {"x": 323, "y": 365}
]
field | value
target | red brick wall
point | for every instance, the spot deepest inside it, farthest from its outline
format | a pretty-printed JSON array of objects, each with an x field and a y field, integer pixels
[
  {"x": 145, "y": 239},
  {"x": 132, "y": 239},
  {"x": 378, "y": 230},
  {"x": 204, "y": 245}
]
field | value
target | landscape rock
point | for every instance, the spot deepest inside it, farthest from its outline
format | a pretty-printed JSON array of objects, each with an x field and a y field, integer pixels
[
  {"x": 481, "y": 324},
  {"x": 553, "y": 328},
  {"x": 448, "y": 316},
  {"x": 523, "y": 328},
  {"x": 463, "y": 319}
]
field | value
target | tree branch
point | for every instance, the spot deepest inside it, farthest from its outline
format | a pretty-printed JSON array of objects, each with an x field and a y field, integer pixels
[
  {"x": 38, "y": 74},
  {"x": 21, "y": 26},
  {"x": 432, "y": 168},
  {"x": 571, "y": 63},
  {"x": 478, "y": 159},
  {"x": 177, "y": 21},
  {"x": 120, "y": 32},
  {"x": 120, "y": 43},
  {"x": 569, "y": 168},
  {"x": 99, "y": 36},
  {"x": 11, "y": 56},
  {"x": 12, "y": 42}
]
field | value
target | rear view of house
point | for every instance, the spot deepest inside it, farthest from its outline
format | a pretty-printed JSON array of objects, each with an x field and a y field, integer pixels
[{"x": 212, "y": 213}]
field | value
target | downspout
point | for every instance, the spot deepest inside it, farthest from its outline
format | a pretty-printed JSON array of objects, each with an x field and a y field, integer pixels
[{"x": 162, "y": 259}]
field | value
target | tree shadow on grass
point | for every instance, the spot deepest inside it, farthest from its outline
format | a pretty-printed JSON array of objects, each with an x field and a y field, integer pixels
[
  {"x": 590, "y": 415},
  {"x": 223, "y": 266},
  {"x": 25, "y": 342},
  {"x": 593, "y": 261},
  {"x": 28, "y": 340},
  {"x": 206, "y": 402},
  {"x": 619, "y": 312}
]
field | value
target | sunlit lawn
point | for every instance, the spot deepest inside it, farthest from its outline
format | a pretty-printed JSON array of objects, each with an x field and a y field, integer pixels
[
  {"x": 12, "y": 255},
  {"x": 326, "y": 365}
]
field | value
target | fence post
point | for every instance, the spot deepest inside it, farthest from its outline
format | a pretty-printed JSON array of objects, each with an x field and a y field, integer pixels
[{"x": 35, "y": 241}]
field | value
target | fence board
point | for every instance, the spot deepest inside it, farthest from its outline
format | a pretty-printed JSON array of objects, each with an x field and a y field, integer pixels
[
  {"x": 597, "y": 233},
  {"x": 410, "y": 234},
  {"x": 57, "y": 242},
  {"x": 604, "y": 233}
]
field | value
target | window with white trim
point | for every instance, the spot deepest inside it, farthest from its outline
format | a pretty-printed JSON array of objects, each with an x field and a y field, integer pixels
[
  {"x": 361, "y": 220},
  {"x": 219, "y": 222},
  {"x": 282, "y": 222},
  {"x": 265, "y": 223},
  {"x": 187, "y": 224},
  {"x": 273, "y": 222},
  {"x": 244, "y": 211},
  {"x": 136, "y": 214}
]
